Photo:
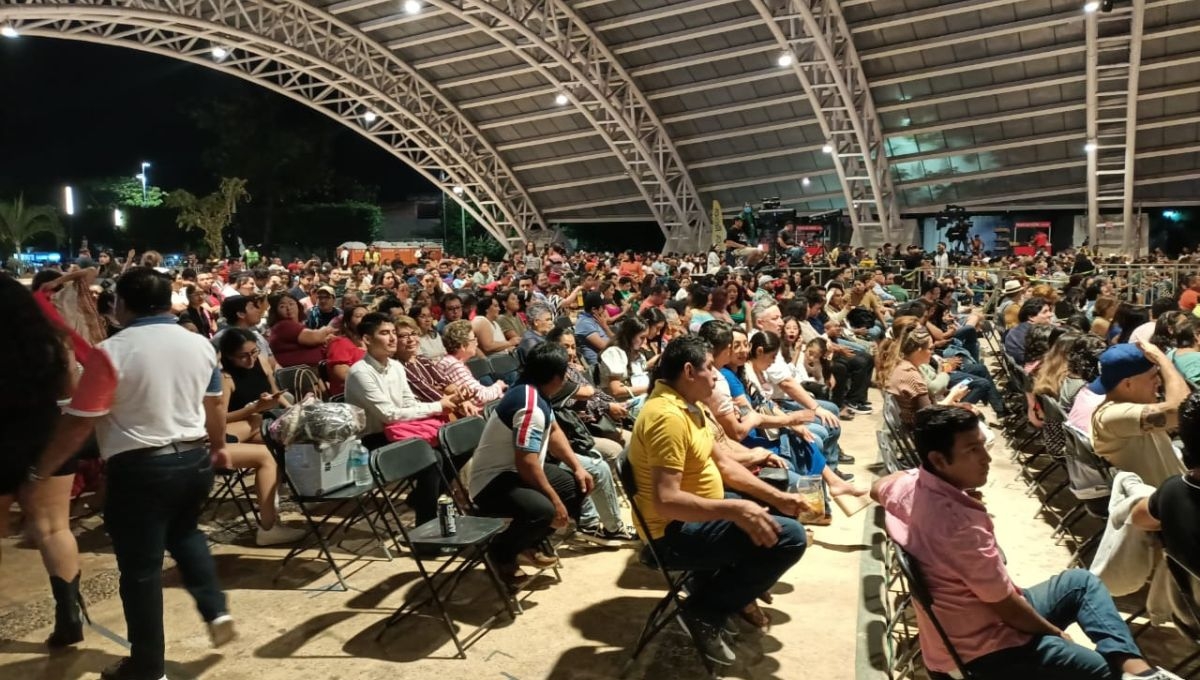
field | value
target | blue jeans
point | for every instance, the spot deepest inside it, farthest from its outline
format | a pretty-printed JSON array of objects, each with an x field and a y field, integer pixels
[
  {"x": 733, "y": 570},
  {"x": 1074, "y": 596},
  {"x": 827, "y": 437},
  {"x": 602, "y": 506},
  {"x": 968, "y": 337},
  {"x": 980, "y": 389},
  {"x": 151, "y": 508}
]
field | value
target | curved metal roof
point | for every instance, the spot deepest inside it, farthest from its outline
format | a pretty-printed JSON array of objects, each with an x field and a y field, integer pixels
[{"x": 605, "y": 110}]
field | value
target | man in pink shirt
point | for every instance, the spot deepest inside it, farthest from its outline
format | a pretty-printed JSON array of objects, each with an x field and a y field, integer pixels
[{"x": 998, "y": 629}]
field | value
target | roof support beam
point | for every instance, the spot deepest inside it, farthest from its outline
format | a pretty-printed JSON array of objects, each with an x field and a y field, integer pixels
[
  {"x": 830, "y": 73},
  {"x": 952, "y": 9},
  {"x": 734, "y": 108},
  {"x": 718, "y": 28},
  {"x": 957, "y": 178},
  {"x": 650, "y": 15},
  {"x": 742, "y": 132},
  {"x": 979, "y": 64},
  {"x": 314, "y": 58},
  {"x": 567, "y": 52},
  {"x": 979, "y": 34},
  {"x": 1137, "y": 25},
  {"x": 957, "y": 123},
  {"x": 985, "y": 91}
]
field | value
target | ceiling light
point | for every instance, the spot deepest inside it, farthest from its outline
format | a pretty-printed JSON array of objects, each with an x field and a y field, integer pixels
[
  {"x": 458, "y": 189},
  {"x": 1089, "y": 147},
  {"x": 412, "y": 6},
  {"x": 369, "y": 117},
  {"x": 786, "y": 59},
  {"x": 1091, "y": 6},
  {"x": 561, "y": 99},
  {"x": 828, "y": 148},
  {"x": 220, "y": 53},
  {"x": 806, "y": 181},
  {"x": 8, "y": 31}
]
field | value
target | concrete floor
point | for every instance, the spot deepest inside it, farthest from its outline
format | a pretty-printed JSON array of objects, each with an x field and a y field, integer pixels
[{"x": 580, "y": 628}]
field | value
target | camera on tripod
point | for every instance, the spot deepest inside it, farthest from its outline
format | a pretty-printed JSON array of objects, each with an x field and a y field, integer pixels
[{"x": 957, "y": 223}]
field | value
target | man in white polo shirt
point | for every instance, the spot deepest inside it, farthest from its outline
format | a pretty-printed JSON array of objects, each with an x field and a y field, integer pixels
[{"x": 153, "y": 395}]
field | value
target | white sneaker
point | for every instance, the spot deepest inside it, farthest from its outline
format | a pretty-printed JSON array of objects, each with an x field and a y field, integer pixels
[
  {"x": 1158, "y": 674},
  {"x": 221, "y": 631},
  {"x": 277, "y": 535}
]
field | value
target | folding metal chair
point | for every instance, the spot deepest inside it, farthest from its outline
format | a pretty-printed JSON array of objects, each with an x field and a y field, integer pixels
[
  {"x": 231, "y": 487},
  {"x": 338, "y": 500},
  {"x": 906, "y": 450},
  {"x": 1054, "y": 437},
  {"x": 1184, "y": 578},
  {"x": 676, "y": 577},
  {"x": 504, "y": 363},
  {"x": 398, "y": 463},
  {"x": 480, "y": 367},
  {"x": 919, "y": 590},
  {"x": 1090, "y": 481},
  {"x": 458, "y": 441}
]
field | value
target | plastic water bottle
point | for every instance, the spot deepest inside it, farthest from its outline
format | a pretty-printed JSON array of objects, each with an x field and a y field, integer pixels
[{"x": 360, "y": 465}]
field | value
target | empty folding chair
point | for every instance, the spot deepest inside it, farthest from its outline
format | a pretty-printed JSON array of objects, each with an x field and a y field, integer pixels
[
  {"x": 676, "y": 577},
  {"x": 397, "y": 464},
  {"x": 503, "y": 364},
  {"x": 230, "y": 487},
  {"x": 458, "y": 441},
  {"x": 1090, "y": 481},
  {"x": 480, "y": 367}
]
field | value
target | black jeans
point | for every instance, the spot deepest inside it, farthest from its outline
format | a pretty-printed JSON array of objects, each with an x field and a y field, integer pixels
[
  {"x": 428, "y": 484},
  {"x": 530, "y": 509},
  {"x": 152, "y": 506},
  {"x": 853, "y": 376}
]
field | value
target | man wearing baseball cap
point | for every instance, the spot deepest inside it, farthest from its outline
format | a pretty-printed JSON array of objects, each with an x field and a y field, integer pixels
[
  {"x": 1129, "y": 429},
  {"x": 324, "y": 312}
]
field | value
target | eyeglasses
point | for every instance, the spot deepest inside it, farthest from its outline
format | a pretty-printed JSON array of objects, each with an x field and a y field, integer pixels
[
  {"x": 405, "y": 337},
  {"x": 252, "y": 354}
]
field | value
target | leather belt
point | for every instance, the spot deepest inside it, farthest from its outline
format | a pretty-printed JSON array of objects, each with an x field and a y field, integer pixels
[{"x": 166, "y": 449}]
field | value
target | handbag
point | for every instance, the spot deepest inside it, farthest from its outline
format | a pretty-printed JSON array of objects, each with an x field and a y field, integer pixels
[{"x": 606, "y": 428}]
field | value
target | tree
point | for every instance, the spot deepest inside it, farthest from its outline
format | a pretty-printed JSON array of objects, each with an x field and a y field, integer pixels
[
  {"x": 210, "y": 214},
  {"x": 19, "y": 222},
  {"x": 112, "y": 192},
  {"x": 287, "y": 157}
]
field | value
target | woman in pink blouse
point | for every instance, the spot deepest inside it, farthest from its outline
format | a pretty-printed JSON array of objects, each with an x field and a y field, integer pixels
[{"x": 461, "y": 344}]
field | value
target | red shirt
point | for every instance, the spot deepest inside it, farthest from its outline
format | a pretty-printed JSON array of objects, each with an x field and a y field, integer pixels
[
  {"x": 341, "y": 352},
  {"x": 285, "y": 345}
]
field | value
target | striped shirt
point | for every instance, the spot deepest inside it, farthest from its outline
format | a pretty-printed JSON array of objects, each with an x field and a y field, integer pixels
[
  {"x": 520, "y": 424},
  {"x": 460, "y": 375},
  {"x": 427, "y": 381}
]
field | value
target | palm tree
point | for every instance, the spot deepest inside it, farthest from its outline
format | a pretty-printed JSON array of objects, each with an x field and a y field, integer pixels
[{"x": 19, "y": 223}]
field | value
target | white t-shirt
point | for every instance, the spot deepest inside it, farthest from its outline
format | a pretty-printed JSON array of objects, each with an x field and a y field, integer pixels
[
  {"x": 614, "y": 364},
  {"x": 1142, "y": 332},
  {"x": 146, "y": 386},
  {"x": 520, "y": 423}
]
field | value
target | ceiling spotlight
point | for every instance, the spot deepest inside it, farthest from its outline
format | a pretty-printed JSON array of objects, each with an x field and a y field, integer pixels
[
  {"x": 1091, "y": 6},
  {"x": 8, "y": 31},
  {"x": 561, "y": 99},
  {"x": 412, "y": 6},
  {"x": 220, "y": 53},
  {"x": 828, "y": 148},
  {"x": 458, "y": 189},
  {"x": 1090, "y": 147},
  {"x": 786, "y": 59},
  {"x": 369, "y": 117},
  {"x": 806, "y": 181}
]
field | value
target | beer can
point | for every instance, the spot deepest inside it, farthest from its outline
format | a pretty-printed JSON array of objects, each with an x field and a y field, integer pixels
[{"x": 445, "y": 514}]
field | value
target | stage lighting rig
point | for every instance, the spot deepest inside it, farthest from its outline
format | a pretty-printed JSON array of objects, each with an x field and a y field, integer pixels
[{"x": 957, "y": 223}]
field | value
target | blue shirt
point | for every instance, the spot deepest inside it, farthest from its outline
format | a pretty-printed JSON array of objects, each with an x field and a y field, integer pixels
[
  {"x": 585, "y": 326},
  {"x": 1014, "y": 342}
]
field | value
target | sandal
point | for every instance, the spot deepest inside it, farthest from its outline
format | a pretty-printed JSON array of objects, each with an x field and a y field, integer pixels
[{"x": 755, "y": 616}]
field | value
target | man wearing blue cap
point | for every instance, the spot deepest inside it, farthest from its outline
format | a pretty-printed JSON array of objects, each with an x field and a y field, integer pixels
[{"x": 1129, "y": 429}]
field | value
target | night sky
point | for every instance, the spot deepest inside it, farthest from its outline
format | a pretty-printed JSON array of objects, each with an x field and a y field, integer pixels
[{"x": 71, "y": 111}]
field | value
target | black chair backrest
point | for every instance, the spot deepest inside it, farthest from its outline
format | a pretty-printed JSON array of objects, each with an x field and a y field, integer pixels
[
  {"x": 919, "y": 589},
  {"x": 480, "y": 367},
  {"x": 460, "y": 437},
  {"x": 1184, "y": 579},
  {"x": 503, "y": 363},
  {"x": 403, "y": 459}
]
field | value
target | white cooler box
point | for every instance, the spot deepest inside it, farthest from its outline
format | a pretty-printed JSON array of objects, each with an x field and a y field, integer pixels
[{"x": 319, "y": 471}]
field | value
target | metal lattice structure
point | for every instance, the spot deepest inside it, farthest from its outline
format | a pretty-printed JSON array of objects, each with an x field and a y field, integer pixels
[{"x": 545, "y": 112}]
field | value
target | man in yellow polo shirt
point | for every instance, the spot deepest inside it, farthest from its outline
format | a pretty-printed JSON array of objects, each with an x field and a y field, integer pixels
[{"x": 682, "y": 475}]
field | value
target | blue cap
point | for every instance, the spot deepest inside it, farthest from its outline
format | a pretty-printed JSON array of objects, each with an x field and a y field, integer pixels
[{"x": 1118, "y": 363}]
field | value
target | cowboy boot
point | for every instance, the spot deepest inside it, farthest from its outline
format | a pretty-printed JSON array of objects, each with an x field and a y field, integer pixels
[{"x": 68, "y": 624}]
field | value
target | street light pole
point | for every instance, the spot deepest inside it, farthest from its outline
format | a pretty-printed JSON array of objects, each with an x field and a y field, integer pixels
[
  {"x": 69, "y": 209},
  {"x": 143, "y": 176}
]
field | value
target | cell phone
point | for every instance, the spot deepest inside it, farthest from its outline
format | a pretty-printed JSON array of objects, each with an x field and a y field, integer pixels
[{"x": 964, "y": 384}]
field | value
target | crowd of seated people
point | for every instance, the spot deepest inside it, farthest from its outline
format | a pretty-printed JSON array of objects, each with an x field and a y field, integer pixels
[{"x": 707, "y": 374}]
